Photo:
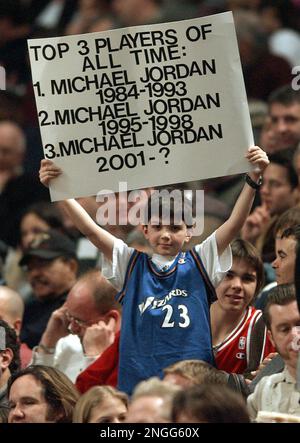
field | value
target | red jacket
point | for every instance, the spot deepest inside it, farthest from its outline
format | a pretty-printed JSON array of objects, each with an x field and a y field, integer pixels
[
  {"x": 25, "y": 355},
  {"x": 104, "y": 371}
]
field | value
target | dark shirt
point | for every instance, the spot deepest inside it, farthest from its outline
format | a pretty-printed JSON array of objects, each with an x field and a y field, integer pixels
[
  {"x": 36, "y": 315},
  {"x": 17, "y": 195},
  {"x": 13, "y": 57},
  {"x": 267, "y": 74}
]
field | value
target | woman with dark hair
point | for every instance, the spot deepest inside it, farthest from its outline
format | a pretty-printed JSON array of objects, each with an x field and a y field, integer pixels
[
  {"x": 37, "y": 218},
  {"x": 41, "y": 394}
]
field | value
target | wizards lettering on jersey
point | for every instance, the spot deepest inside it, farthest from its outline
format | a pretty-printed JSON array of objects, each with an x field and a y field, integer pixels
[{"x": 152, "y": 303}]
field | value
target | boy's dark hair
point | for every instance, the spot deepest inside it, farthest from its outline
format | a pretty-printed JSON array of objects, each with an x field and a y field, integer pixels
[
  {"x": 210, "y": 404},
  {"x": 243, "y": 250},
  {"x": 12, "y": 342},
  {"x": 285, "y": 95},
  {"x": 280, "y": 295},
  {"x": 289, "y": 219},
  {"x": 283, "y": 159},
  {"x": 169, "y": 206}
]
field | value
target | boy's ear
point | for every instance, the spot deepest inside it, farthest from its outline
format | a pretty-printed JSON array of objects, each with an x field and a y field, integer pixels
[
  {"x": 145, "y": 230},
  {"x": 189, "y": 234}
]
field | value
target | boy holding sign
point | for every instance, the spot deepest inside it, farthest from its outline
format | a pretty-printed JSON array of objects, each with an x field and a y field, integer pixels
[{"x": 165, "y": 297}]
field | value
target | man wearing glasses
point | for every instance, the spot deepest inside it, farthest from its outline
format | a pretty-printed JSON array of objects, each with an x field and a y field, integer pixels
[{"x": 79, "y": 331}]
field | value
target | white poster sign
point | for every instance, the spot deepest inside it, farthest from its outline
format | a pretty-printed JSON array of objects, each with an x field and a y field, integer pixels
[{"x": 146, "y": 105}]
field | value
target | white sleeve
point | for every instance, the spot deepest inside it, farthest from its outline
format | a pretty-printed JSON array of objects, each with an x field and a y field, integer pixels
[
  {"x": 40, "y": 358},
  {"x": 68, "y": 357},
  {"x": 115, "y": 270},
  {"x": 215, "y": 266},
  {"x": 254, "y": 401}
]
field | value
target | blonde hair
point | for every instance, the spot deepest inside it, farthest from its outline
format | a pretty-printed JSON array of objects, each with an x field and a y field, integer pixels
[
  {"x": 154, "y": 387},
  {"x": 93, "y": 397}
]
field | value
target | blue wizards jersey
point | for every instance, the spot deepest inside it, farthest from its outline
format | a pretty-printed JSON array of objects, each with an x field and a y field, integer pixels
[{"x": 165, "y": 317}]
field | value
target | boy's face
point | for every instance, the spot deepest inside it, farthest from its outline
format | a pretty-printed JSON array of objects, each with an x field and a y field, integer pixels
[
  {"x": 237, "y": 289},
  {"x": 166, "y": 240}
]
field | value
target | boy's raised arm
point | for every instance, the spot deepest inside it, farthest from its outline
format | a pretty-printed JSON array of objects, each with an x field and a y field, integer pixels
[
  {"x": 226, "y": 233},
  {"x": 102, "y": 239}
]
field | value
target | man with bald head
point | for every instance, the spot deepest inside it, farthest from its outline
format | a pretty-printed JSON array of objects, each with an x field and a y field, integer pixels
[
  {"x": 78, "y": 332},
  {"x": 17, "y": 189},
  {"x": 11, "y": 311}
]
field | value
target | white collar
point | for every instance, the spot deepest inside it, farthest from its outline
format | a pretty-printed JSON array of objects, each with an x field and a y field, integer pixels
[{"x": 163, "y": 262}]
